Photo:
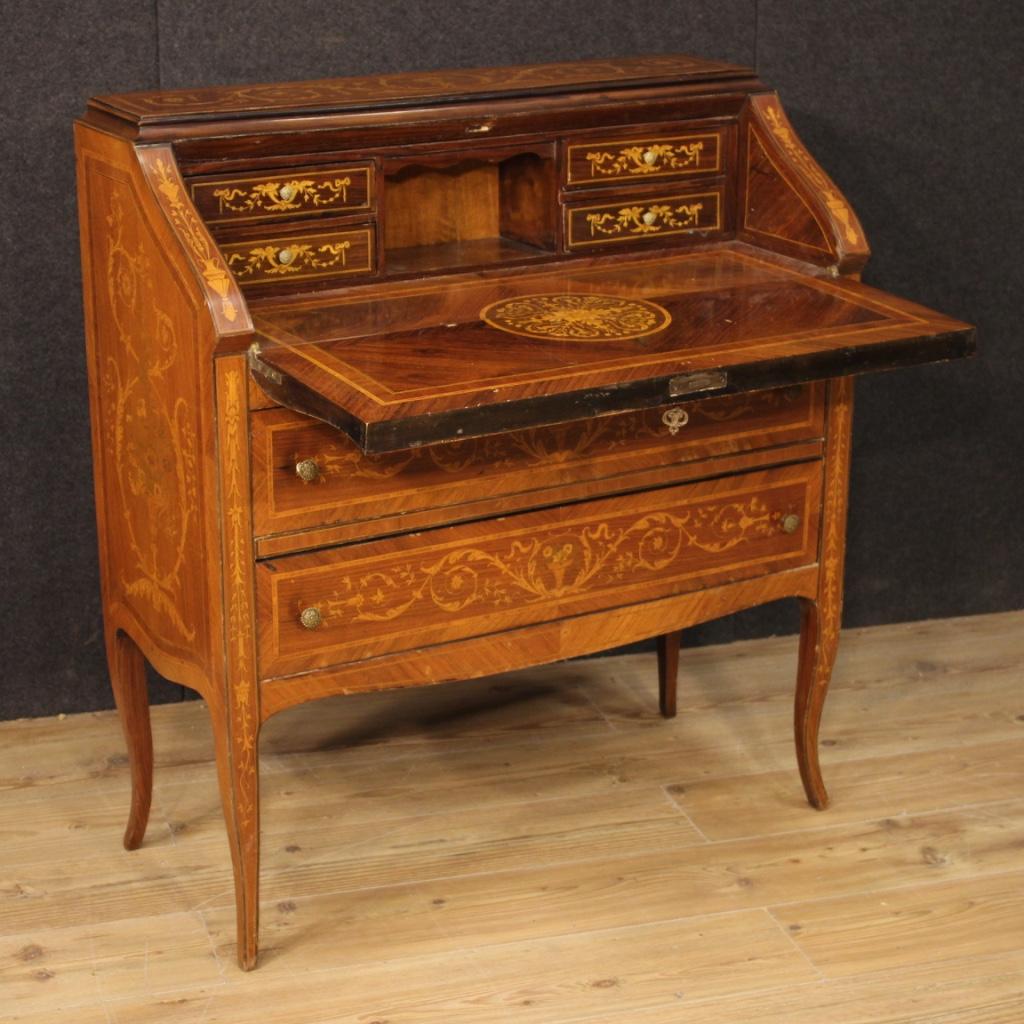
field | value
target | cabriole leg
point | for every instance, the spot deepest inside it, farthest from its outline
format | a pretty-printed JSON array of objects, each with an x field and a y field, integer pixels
[
  {"x": 814, "y": 673},
  {"x": 237, "y": 747},
  {"x": 820, "y": 617},
  {"x": 128, "y": 679}
]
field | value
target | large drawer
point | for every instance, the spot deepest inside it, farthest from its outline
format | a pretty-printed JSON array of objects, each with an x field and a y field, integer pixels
[
  {"x": 309, "y": 475},
  {"x": 352, "y": 602}
]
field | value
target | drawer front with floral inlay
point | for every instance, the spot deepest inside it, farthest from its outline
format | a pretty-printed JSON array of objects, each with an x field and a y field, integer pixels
[
  {"x": 284, "y": 195},
  {"x": 643, "y": 218},
  {"x": 604, "y": 160},
  {"x": 359, "y": 600},
  {"x": 301, "y": 256},
  {"x": 307, "y": 474}
]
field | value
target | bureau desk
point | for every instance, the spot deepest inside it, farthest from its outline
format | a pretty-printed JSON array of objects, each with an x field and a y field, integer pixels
[{"x": 422, "y": 377}]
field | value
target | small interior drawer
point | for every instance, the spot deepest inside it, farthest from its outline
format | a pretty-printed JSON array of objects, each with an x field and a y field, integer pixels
[
  {"x": 359, "y": 600},
  {"x": 615, "y": 159},
  {"x": 309, "y": 475},
  {"x": 302, "y": 255},
  {"x": 632, "y": 218},
  {"x": 284, "y": 194}
]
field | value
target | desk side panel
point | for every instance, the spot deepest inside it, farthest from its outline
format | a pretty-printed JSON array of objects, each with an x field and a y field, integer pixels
[
  {"x": 787, "y": 203},
  {"x": 150, "y": 339}
]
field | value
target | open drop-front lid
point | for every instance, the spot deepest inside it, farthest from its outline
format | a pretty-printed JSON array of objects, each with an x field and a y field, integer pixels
[{"x": 437, "y": 360}]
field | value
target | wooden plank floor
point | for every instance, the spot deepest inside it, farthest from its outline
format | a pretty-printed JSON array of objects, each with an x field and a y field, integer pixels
[{"x": 543, "y": 848}]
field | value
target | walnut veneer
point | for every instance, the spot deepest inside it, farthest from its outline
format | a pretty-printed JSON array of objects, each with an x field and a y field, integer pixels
[{"x": 411, "y": 378}]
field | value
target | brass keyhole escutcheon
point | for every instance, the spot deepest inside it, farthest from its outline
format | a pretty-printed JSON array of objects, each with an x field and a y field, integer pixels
[
  {"x": 790, "y": 523},
  {"x": 310, "y": 618},
  {"x": 675, "y": 419},
  {"x": 307, "y": 470},
  {"x": 285, "y": 256},
  {"x": 287, "y": 192}
]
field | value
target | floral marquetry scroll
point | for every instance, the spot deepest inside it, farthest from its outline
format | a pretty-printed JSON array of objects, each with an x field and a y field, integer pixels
[
  {"x": 549, "y": 566},
  {"x": 304, "y": 256},
  {"x": 525, "y": 567},
  {"x": 576, "y": 317},
  {"x": 282, "y": 197},
  {"x": 655, "y": 216},
  {"x": 230, "y": 311},
  {"x": 149, "y": 434},
  {"x": 591, "y": 163},
  {"x": 262, "y": 197}
]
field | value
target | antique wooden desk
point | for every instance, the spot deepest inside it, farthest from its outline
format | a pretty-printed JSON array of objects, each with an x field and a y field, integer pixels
[{"x": 405, "y": 379}]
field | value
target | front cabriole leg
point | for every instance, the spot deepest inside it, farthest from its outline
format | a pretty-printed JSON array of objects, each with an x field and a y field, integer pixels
[
  {"x": 821, "y": 616},
  {"x": 235, "y": 700}
]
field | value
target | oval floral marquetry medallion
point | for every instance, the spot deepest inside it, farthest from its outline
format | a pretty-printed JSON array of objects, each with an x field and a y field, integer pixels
[{"x": 576, "y": 317}]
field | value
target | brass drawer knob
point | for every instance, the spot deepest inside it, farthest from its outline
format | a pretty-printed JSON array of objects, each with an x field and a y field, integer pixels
[
  {"x": 790, "y": 523},
  {"x": 649, "y": 157},
  {"x": 287, "y": 192},
  {"x": 310, "y": 618},
  {"x": 649, "y": 217},
  {"x": 307, "y": 470},
  {"x": 675, "y": 418},
  {"x": 285, "y": 256}
]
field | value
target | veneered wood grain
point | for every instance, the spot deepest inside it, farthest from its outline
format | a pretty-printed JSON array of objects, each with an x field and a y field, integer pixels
[
  {"x": 782, "y": 183},
  {"x": 634, "y": 218},
  {"x": 408, "y": 591},
  {"x": 412, "y": 88},
  {"x": 470, "y": 510},
  {"x": 534, "y": 645},
  {"x": 299, "y": 192},
  {"x": 235, "y": 704},
  {"x": 670, "y": 152},
  {"x": 150, "y": 319},
  {"x": 468, "y": 165},
  {"x": 350, "y": 486},
  {"x": 821, "y": 618},
  {"x": 774, "y": 210},
  {"x": 440, "y": 373},
  {"x": 311, "y": 254}
]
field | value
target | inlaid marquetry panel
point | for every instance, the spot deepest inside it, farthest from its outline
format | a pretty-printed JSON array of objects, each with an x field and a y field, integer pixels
[
  {"x": 347, "y": 486},
  {"x": 283, "y": 195},
  {"x": 145, "y": 364},
  {"x": 629, "y": 219},
  {"x": 358, "y": 600},
  {"x": 599, "y": 161},
  {"x": 301, "y": 256}
]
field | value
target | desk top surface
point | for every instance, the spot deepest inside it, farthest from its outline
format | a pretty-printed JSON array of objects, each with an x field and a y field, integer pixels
[
  {"x": 430, "y": 361},
  {"x": 411, "y": 88}
]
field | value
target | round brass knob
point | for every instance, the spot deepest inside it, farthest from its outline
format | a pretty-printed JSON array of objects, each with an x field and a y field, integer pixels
[
  {"x": 287, "y": 192},
  {"x": 307, "y": 470},
  {"x": 310, "y": 618},
  {"x": 649, "y": 157},
  {"x": 285, "y": 256},
  {"x": 790, "y": 523},
  {"x": 649, "y": 217}
]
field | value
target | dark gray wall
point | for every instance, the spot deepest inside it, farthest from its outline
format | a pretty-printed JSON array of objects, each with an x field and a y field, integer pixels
[{"x": 914, "y": 108}]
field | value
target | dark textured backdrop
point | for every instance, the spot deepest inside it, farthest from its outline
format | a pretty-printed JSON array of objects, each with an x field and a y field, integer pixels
[{"x": 914, "y": 108}]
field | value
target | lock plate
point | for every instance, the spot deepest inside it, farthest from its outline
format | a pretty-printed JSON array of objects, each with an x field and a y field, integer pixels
[{"x": 692, "y": 383}]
